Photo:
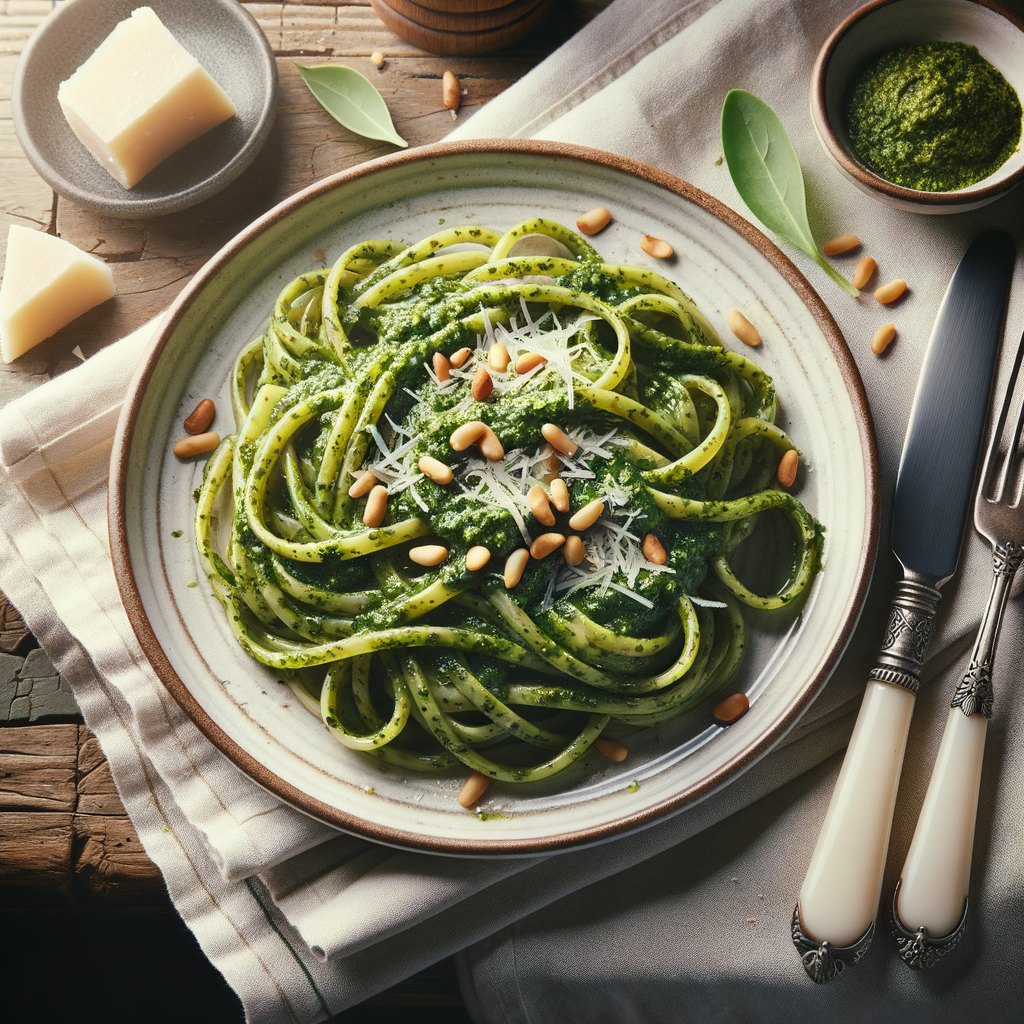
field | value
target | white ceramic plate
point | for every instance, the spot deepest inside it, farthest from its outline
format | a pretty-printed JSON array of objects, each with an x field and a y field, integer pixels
[{"x": 722, "y": 261}]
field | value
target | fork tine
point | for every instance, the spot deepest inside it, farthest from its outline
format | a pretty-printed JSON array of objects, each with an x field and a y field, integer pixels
[{"x": 1014, "y": 439}]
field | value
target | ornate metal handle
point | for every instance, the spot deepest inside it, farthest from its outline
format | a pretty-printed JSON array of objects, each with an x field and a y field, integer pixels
[{"x": 907, "y": 634}]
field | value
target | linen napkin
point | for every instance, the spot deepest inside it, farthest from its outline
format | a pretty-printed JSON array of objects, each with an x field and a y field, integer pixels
[
  {"x": 304, "y": 921},
  {"x": 702, "y": 930}
]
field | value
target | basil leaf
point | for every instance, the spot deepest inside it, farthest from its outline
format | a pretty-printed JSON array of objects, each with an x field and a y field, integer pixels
[
  {"x": 766, "y": 172},
  {"x": 352, "y": 101}
]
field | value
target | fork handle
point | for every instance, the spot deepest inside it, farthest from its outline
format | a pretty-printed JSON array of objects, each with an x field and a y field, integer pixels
[{"x": 930, "y": 905}]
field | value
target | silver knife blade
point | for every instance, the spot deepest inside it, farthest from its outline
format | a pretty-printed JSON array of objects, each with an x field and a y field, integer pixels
[{"x": 940, "y": 454}]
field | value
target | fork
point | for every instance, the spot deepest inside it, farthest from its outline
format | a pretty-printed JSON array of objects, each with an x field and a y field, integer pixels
[{"x": 929, "y": 910}]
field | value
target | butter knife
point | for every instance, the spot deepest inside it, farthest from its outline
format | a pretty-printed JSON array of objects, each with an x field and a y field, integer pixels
[{"x": 834, "y": 919}]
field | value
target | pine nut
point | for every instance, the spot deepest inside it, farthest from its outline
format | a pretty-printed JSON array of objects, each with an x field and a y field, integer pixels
[
  {"x": 559, "y": 439},
  {"x": 200, "y": 417},
  {"x": 363, "y": 485},
  {"x": 490, "y": 447},
  {"x": 529, "y": 361},
  {"x": 559, "y": 494},
  {"x": 552, "y": 463},
  {"x": 840, "y": 244},
  {"x": 196, "y": 445},
  {"x": 883, "y": 338},
  {"x": 469, "y": 433},
  {"x": 458, "y": 358},
  {"x": 865, "y": 268},
  {"x": 654, "y": 550},
  {"x": 656, "y": 247},
  {"x": 473, "y": 788},
  {"x": 377, "y": 59},
  {"x": 428, "y": 554},
  {"x": 482, "y": 384},
  {"x": 594, "y": 220},
  {"x": 588, "y": 515},
  {"x": 498, "y": 357},
  {"x": 891, "y": 292},
  {"x": 451, "y": 90},
  {"x": 515, "y": 566},
  {"x": 537, "y": 499},
  {"x": 545, "y": 544},
  {"x": 441, "y": 371},
  {"x": 477, "y": 557},
  {"x": 376, "y": 506},
  {"x": 732, "y": 708},
  {"x": 743, "y": 328},
  {"x": 612, "y": 750},
  {"x": 574, "y": 550},
  {"x": 786, "y": 474},
  {"x": 435, "y": 469}
]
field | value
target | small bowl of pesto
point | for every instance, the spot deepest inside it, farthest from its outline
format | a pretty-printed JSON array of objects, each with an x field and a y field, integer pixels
[{"x": 918, "y": 102}]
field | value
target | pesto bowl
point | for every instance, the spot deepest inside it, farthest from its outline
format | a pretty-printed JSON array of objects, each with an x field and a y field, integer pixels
[
  {"x": 722, "y": 261},
  {"x": 884, "y": 25}
]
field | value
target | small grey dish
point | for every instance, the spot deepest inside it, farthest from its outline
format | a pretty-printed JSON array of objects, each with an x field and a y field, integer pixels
[{"x": 220, "y": 34}]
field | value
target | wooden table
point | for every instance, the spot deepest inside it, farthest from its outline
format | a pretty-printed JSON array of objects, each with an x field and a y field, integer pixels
[{"x": 85, "y": 923}]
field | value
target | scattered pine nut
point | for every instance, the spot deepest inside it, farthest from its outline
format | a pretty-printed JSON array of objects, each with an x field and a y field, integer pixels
[
  {"x": 656, "y": 247},
  {"x": 515, "y": 566},
  {"x": 377, "y": 59},
  {"x": 588, "y": 515},
  {"x": 786, "y": 473},
  {"x": 473, "y": 788},
  {"x": 196, "y": 444},
  {"x": 865, "y": 268},
  {"x": 373, "y": 514},
  {"x": 891, "y": 292},
  {"x": 537, "y": 499},
  {"x": 482, "y": 385},
  {"x": 611, "y": 749},
  {"x": 654, "y": 550},
  {"x": 529, "y": 361},
  {"x": 883, "y": 338},
  {"x": 743, "y": 328},
  {"x": 320, "y": 255},
  {"x": 574, "y": 550},
  {"x": 376, "y": 506},
  {"x": 559, "y": 439},
  {"x": 490, "y": 447},
  {"x": 458, "y": 358},
  {"x": 435, "y": 469},
  {"x": 441, "y": 367},
  {"x": 545, "y": 544},
  {"x": 732, "y": 708},
  {"x": 363, "y": 485},
  {"x": 469, "y": 433},
  {"x": 477, "y": 557},
  {"x": 451, "y": 91},
  {"x": 559, "y": 494},
  {"x": 840, "y": 244},
  {"x": 498, "y": 357},
  {"x": 200, "y": 417},
  {"x": 594, "y": 220},
  {"x": 552, "y": 464},
  {"x": 428, "y": 554}
]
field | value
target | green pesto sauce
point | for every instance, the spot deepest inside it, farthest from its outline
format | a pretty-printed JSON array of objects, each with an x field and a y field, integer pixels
[{"x": 936, "y": 117}]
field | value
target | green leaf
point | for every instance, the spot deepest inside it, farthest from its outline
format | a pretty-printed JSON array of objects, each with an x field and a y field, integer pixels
[
  {"x": 766, "y": 172},
  {"x": 352, "y": 101}
]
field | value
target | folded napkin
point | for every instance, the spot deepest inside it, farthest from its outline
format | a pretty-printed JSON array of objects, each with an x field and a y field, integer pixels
[
  {"x": 302, "y": 920},
  {"x": 703, "y": 929}
]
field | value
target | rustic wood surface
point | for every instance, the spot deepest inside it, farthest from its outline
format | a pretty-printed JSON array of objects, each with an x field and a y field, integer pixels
[{"x": 69, "y": 856}]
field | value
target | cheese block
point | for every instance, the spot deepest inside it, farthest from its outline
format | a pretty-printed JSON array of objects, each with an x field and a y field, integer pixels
[
  {"x": 47, "y": 283},
  {"x": 140, "y": 97}
]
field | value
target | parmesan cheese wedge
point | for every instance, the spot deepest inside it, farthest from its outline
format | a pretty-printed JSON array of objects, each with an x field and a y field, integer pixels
[
  {"x": 47, "y": 283},
  {"x": 140, "y": 97}
]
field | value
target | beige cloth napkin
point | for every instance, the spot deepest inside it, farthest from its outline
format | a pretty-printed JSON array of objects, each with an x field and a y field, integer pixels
[
  {"x": 702, "y": 931},
  {"x": 304, "y": 921}
]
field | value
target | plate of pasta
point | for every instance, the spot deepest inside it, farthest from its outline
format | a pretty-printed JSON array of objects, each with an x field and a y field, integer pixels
[{"x": 496, "y": 512}]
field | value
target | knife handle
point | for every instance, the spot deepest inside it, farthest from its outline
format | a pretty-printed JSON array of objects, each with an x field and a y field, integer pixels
[{"x": 834, "y": 918}]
